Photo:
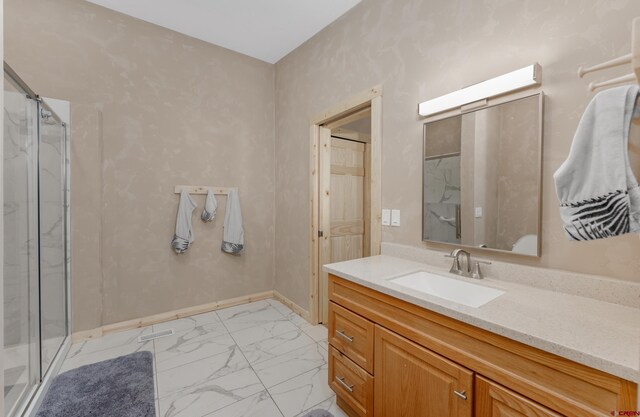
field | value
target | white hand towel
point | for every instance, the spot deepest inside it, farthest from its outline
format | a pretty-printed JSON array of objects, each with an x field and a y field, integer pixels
[
  {"x": 210, "y": 207},
  {"x": 233, "y": 241},
  {"x": 183, "y": 237},
  {"x": 599, "y": 195}
]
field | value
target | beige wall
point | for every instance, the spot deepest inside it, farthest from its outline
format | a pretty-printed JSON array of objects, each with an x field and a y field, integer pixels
[
  {"x": 419, "y": 50},
  {"x": 443, "y": 137},
  {"x": 151, "y": 109}
]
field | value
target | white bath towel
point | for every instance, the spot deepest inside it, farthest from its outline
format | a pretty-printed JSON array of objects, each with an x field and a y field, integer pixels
[
  {"x": 599, "y": 195},
  {"x": 233, "y": 240},
  {"x": 210, "y": 207},
  {"x": 183, "y": 237}
]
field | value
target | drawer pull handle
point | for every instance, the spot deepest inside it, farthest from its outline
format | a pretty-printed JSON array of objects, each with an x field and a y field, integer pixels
[
  {"x": 460, "y": 394},
  {"x": 349, "y": 388},
  {"x": 344, "y": 336}
]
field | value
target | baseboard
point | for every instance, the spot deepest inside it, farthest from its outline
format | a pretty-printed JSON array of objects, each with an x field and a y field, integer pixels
[
  {"x": 86, "y": 335},
  {"x": 168, "y": 316},
  {"x": 293, "y": 306}
]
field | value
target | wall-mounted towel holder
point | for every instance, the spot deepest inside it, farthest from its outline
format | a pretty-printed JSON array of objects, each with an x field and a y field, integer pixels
[
  {"x": 202, "y": 189},
  {"x": 633, "y": 58}
]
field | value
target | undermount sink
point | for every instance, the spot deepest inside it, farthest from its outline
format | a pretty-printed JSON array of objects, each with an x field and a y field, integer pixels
[{"x": 462, "y": 292}]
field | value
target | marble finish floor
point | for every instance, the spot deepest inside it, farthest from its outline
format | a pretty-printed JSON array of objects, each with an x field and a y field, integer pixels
[
  {"x": 16, "y": 377},
  {"x": 257, "y": 359}
]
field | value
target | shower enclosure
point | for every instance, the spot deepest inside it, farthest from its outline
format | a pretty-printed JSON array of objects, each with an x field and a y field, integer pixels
[{"x": 35, "y": 215}]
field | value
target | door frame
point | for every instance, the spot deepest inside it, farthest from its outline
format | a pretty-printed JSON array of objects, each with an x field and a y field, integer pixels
[{"x": 369, "y": 98}]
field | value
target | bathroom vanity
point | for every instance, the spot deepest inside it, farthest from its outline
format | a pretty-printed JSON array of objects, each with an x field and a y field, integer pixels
[{"x": 530, "y": 352}]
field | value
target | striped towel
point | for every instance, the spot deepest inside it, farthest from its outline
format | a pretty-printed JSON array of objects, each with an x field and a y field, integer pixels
[
  {"x": 183, "y": 237},
  {"x": 233, "y": 240},
  {"x": 599, "y": 195},
  {"x": 210, "y": 207}
]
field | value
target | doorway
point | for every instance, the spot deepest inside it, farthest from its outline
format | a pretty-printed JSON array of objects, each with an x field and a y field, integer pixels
[{"x": 345, "y": 189}]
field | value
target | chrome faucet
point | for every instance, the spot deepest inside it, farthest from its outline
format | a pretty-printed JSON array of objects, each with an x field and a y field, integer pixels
[
  {"x": 468, "y": 271},
  {"x": 455, "y": 268},
  {"x": 476, "y": 271}
]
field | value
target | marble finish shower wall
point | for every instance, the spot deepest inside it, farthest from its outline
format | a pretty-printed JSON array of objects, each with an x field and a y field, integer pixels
[
  {"x": 19, "y": 215},
  {"x": 52, "y": 235},
  {"x": 422, "y": 49},
  {"x": 151, "y": 109},
  {"x": 441, "y": 198}
]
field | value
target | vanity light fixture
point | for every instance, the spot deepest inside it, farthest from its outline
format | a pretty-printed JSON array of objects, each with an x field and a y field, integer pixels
[{"x": 515, "y": 80}]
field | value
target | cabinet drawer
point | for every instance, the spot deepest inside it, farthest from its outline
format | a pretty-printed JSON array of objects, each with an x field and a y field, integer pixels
[
  {"x": 352, "y": 384},
  {"x": 352, "y": 335},
  {"x": 493, "y": 400}
]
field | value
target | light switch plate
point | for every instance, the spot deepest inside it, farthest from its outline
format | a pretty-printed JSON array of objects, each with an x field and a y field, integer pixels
[
  {"x": 386, "y": 217},
  {"x": 478, "y": 212},
  {"x": 395, "y": 217}
]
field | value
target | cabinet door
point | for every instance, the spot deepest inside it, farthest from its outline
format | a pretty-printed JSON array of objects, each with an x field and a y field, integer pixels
[
  {"x": 411, "y": 381},
  {"x": 493, "y": 400}
]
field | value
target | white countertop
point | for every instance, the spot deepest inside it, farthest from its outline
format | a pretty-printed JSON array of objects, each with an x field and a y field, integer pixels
[{"x": 595, "y": 333}]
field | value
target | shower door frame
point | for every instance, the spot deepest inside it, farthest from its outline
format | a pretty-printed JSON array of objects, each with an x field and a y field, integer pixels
[
  {"x": 32, "y": 400},
  {"x": 33, "y": 365},
  {"x": 44, "y": 107}
]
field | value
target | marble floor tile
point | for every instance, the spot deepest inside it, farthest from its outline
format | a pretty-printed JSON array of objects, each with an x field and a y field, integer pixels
[
  {"x": 324, "y": 344},
  {"x": 110, "y": 341},
  {"x": 191, "y": 346},
  {"x": 242, "y": 309},
  {"x": 15, "y": 377},
  {"x": 291, "y": 364},
  {"x": 211, "y": 396},
  {"x": 196, "y": 374},
  {"x": 105, "y": 354},
  {"x": 49, "y": 349},
  {"x": 258, "y": 405},
  {"x": 302, "y": 392},
  {"x": 282, "y": 308},
  {"x": 195, "y": 334},
  {"x": 296, "y": 319},
  {"x": 263, "y": 331},
  {"x": 252, "y": 318},
  {"x": 317, "y": 332},
  {"x": 327, "y": 405},
  {"x": 236, "y": 325},
  {"x": 275, "y": 346},
  {"x": 254, "y": 360},
  {"x": 188, "y": 323},
  {"x": 16, "y": 355},
  {"x": 291, "y": 315}
]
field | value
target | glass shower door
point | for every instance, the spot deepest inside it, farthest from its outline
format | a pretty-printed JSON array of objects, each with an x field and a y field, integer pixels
[
  {"x": 53, "y": 290},
  {"x": 21, "y": 325}
]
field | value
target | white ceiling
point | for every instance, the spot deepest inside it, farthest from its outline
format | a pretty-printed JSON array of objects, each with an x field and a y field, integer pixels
[{"x": 264, "y": 29}]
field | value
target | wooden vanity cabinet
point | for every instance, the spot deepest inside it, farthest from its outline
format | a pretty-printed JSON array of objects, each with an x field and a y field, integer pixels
[
  {"x": 492, "y": 400},
  {"x": 401, "y": 360},
  {"x": 412, "y": 381}
]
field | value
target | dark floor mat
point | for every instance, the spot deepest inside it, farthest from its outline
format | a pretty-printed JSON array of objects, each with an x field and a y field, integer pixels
[{"x": 121, "y": 387}]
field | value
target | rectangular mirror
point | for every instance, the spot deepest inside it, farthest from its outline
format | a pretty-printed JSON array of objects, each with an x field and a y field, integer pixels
[{"x": 482, "y": 178}]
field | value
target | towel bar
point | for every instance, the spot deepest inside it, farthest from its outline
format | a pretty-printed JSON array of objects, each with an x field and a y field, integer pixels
[{"x": 201, "y": 189}]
